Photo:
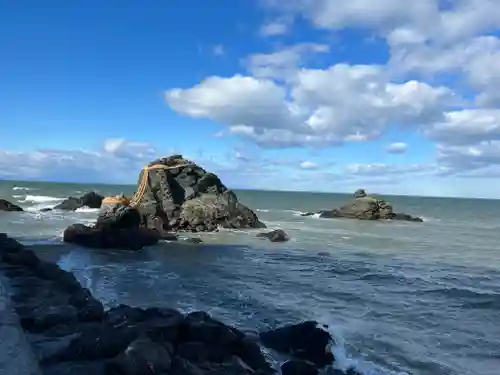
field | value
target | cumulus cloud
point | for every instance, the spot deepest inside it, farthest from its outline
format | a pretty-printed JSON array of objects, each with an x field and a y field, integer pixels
[
  {"x": 397, "y": 148},
  {"x": 316, "y": 108},
  {"x": 274, "y": 28}
]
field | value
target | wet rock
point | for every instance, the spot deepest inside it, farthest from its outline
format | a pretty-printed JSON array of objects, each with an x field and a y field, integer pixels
[
  {"x": 25, "y": 258},
  {"x": 105, "y": 342},
  {"x": 8, "y": 206},
  {"x": 193, "y": 351},
  {"x": 308, "y": 214},
  {"x": 46, "y": 317},
  {"x": 192, "y": 240},
  {"x": 90, "y": 200},
  {"x": 366, "y": 207},
  {"x": 298, "y": 367},
  {"x": 303, "y": 341},
  {"x": 118, "y": 216},
  {"x": 181, "y": 366},
  {"x": 141, "y": 357},
  {"x": 123, "y": 315},
  {"x": 249, "y": 352},
  {"x": 122, "y": 239},
  {"x": 46, "y": 209},
  {"x": 89, "y": 309},
  {"x": 278, "y": 235}
]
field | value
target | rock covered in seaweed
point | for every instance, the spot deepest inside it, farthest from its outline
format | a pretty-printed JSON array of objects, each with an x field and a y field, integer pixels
[{"x": 366, "y": 207}]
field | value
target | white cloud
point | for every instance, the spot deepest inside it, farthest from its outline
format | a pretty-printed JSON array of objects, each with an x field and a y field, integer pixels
[
  {"x": 308, "y": 165},
  {"x": 397, "y": 148},
  {"x": 436, "y": 20},
  {"x": 283, "y": 63},
  {"x": 315, "y": 108},
  {"x": 273, "y": 29},
  {"x": 219, "y": 50}
]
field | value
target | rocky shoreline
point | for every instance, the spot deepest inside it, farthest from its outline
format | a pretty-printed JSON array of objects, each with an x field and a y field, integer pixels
[{"x": 70, "y": 332}]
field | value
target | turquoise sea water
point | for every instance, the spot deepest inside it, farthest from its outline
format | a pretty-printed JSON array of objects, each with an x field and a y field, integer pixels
[{"x": 416, "y": 298}]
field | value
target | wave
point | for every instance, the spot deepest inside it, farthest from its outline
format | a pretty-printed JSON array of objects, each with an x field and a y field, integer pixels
[
  {"x": 23, "y": 188},
  {"x": 41, "y": 199},
  {"x": 343, "y": 361},
  {"x": 87, "y": 210}
]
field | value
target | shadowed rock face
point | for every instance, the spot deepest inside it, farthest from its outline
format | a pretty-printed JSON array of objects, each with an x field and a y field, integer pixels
[
  {"x": 186, "y": 197},
  {"x": 366, "y": 207},
  {"x": 71, "y": 333},
  {"x": 8, "y": 206},
  {"x": 90, "y": 200}
]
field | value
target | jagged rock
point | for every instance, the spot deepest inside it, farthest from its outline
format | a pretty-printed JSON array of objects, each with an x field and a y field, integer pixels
[
  {"x": 305, "y": 341},
  {"x": 278, "y": 235},
  {"x": 8, "y": 206},
  {"x": 298, "y": 367},
  {"x": 142, "y": 356},
  {"x": 186, "y": 197},
  {"x": 127, "y": 340},
  {"x": 90, "y": 200},
  {"x": 365, "y": 207},
  {"x": 107, "y": 238}
]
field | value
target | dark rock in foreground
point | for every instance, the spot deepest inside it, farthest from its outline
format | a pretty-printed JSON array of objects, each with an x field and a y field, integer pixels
[
  {"x": 90, "y": 200},
  {"x": 108, "y": 238},
  {"x": 365, "y": 207},
  {"x": 8, "y": 206},
  {"x": 71, "y": 333},
  {"x": 278, "y": 235}
]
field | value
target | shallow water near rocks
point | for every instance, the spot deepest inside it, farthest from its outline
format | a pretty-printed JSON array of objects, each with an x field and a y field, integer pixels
[{"x": 417, "y": 298}]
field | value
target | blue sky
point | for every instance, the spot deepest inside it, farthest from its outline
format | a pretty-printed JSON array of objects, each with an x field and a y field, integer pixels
[{"x": 324, "y": 95}]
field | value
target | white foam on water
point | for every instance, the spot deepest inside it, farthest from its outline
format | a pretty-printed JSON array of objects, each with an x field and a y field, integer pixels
[
  {"x": 343, "y": 360},
  {"x": 41, "y": 199},
  {"x": 18, "y": 196},
  {"x": 261, "y": 210},
  {"x": 87, "y": 209},
  {"x": 23, "y": 188}
]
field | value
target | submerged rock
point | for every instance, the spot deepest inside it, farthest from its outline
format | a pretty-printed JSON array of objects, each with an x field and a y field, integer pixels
[
  {"x": 278, "y": 235},
  {"x": 366, "y": 207},
  {"x": 5, "y": 205},
  {"x": 90, "y": 200},
  {"x": 109, "y": 238}
]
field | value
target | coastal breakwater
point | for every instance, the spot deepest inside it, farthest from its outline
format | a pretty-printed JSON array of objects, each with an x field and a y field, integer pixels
[{"x": 70, "y": 332}]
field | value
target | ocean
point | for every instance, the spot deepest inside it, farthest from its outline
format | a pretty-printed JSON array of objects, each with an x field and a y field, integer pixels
[{"x": 400, "y": 298}]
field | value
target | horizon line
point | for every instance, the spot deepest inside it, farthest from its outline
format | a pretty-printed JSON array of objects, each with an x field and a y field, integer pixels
[{"x": 253, "y": 189}]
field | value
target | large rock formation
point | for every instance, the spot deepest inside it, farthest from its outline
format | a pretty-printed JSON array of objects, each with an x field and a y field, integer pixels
[
  {"x": 365, "y": 207},
  {"x": 71, "y": 332},
  {"x": 181, "y": 195},
  {"x": 8, "y": 206}
]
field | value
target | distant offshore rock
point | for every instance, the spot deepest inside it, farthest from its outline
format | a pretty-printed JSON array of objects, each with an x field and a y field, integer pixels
[
  {"x": 90, "y": 200},
  {"x": 365, "y": 207},
  {"x": 5, "y": 205},
  {"x": 278, "y": 235}
]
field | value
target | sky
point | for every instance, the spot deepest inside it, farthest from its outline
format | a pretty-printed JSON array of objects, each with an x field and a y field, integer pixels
[{"x": 400, "y": 97}]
